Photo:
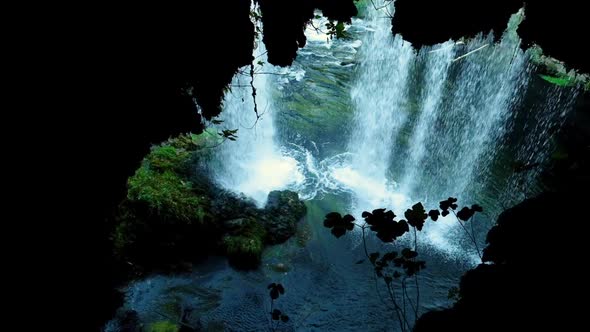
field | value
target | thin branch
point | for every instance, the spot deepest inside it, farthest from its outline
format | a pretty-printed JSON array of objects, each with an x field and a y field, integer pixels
[
  {"x": 470, "y": 236},
  {"x": 317, "y": 30},
  {"x": 385, "y": 4},
  {"x": 253, "y": 90},
  {"x": 270, "y": 73},
  {"x": 469, "y": 53},
  {"x": 261, "y": 54}
]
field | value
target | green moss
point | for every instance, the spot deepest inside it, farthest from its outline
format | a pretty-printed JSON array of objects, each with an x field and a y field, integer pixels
[
  {"x": 560, "y": 81},
  {"x": 167, "y": 157},
  {"x": 244, "y": 247},
  {"x": 166, "y": 194},
  {"x": 163, "y": 326},
  {"x": 124, "y": 235},
  {"x": 193, "y": 142}
]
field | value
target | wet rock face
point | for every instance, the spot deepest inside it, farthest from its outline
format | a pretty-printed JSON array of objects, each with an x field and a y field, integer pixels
[
  {"x": 282, "y": 212},
  {"x": 227, "y": 205}
]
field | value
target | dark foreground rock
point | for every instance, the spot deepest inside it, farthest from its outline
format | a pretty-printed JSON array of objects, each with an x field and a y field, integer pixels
[{"x": 532, "y": 272}]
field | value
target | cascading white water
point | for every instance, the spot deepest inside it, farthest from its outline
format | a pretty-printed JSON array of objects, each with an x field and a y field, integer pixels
[
  {"x": 444, "y": 138},
  {"x": 426, "y": 125},
  {"x": 252, "y": 164},
  {"x": 437, "y": 66},
  {"x": 379, "y": 95}
]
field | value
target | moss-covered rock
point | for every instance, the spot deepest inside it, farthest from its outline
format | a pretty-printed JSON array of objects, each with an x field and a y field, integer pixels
[
  {"x": 555, "y": 71},
  {"x": 174, "y": 214},
  {"x": 166, "y": 194},
  {"x": 244, "y": 244},
  {"x": 163, "y": 326},
  {"x": 284, "y": 210},
  {"x": 165, "y": 217}
]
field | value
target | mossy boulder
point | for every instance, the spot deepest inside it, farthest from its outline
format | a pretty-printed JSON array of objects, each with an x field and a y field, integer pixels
[
  {"x": 283, "y": 211},
  {"x": 174, "y": 214},
  {"x": 165, "y": 193},
  {"x": 244, "y": 243},
  {"x": 165, "y": 217},
  {"x": 163, "y": 326}
]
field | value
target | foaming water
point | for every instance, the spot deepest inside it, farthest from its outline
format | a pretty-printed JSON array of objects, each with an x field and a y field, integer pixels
[{"x": 253, "y": 164}]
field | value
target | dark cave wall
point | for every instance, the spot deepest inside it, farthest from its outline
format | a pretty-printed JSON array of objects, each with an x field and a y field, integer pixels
[{"x": 558, "y": 27}]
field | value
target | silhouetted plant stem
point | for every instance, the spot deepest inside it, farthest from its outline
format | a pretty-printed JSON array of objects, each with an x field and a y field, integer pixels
[
  {"x": 402, "y": 318},
  {"x": 416, "y": 279},
  {"x": 472, "y": 237},
  {"x": 390, "y": 291},
  {"x": 473, "y": 233},
  {"x": 405, "y": 288},
  {"x": 272, "y": 301},
  {"x": 404, "y": 295},
  {"x": 365, "y": 243}
]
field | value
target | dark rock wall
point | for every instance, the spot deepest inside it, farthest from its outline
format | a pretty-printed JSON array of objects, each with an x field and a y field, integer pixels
[{"x": 560, "y": 28}]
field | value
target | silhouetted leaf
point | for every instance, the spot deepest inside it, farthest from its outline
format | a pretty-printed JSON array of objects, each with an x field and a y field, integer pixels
[
  {"x": 416, "y": 216},
  {"x": 465, "y": 214},
  {"x": 476, "y": 208},
  {"x": 389, "y": 256},
  {"x": 274, "y": 294},
  {"x": 284, "y": 318},
  {"x": 373, "y": 257},
  {"x": 445, "y": 213},
  {"x": 381, "y": 263},
  {"x": 275, "y": 290},
  {"x": 449, "y": 203},
  {"x": 338, "y": 223},
  {"x": 389, "y": 215},
  {"x": 384, "y": 224},
  {"x": 407, "y": 253},
  {"x": 434, "y": 214},
  {"x": 276, "y": 314}
]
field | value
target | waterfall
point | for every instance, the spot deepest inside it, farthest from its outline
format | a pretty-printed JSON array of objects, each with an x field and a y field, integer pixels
[
  {"x": 253, "y": 164},
  {"x": 442, "y": 121},
  {"x": 379, "y": 94},
  {"x": 431, "y": 125}
]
